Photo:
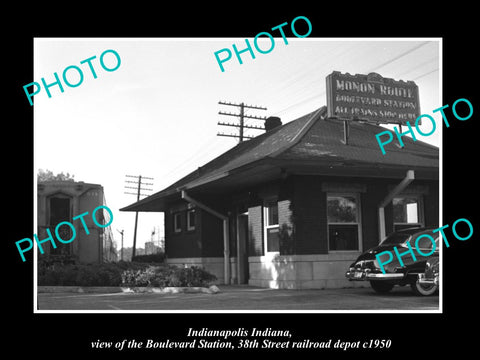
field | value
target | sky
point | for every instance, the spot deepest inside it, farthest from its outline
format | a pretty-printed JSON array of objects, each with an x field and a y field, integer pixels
[{"x": 157, "y": 114}]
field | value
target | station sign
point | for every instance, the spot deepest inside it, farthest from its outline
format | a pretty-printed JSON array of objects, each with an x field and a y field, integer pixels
[{"x": 372, "y": 98}]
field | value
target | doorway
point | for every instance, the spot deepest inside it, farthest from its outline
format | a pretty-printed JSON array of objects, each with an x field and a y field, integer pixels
[{"x": 59, "y": 212}]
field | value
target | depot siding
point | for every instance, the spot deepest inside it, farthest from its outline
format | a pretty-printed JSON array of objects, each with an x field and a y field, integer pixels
[
  {"x": 309, "y": 204},
  {"x": 204, "y": 240}
]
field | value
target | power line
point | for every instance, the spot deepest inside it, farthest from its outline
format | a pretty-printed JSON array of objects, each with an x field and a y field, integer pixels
[
  {"x": 395, "y": 58},
  {"x": 377, "y": 67},
  {"x": 296, "y": 79},
  {"x": 318, "y": 95},
  {"x": 204, "y": 148},
  {"x": 427, "y": 73},
  {"x": 288, "y": 82}
]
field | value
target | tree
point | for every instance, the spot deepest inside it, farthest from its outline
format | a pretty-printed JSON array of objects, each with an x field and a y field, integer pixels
[{"x": 47, "y": 175}]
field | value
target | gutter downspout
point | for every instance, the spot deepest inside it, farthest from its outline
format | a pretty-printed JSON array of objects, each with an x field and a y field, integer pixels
[
  {"x": 409, "y": 177},
  {"x": 226, "y": 240}
]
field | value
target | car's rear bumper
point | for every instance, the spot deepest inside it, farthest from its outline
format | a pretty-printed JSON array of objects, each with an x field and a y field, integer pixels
[
  {"x": 422, "y": 280},
  {"x": 362, "y": 275}
]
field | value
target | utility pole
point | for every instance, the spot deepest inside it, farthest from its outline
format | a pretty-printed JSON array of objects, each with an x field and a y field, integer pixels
[
  {"x": 241, "y": 136},
  {"x": 121, "y": 250},
  {"x": 138, "y": 188}
]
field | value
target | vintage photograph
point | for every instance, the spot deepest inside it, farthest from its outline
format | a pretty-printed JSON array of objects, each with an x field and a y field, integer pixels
[{"x": 269, "y": 174}]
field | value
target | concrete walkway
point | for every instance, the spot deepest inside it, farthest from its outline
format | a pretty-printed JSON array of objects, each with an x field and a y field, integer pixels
[{"x": 231, "y": 298}]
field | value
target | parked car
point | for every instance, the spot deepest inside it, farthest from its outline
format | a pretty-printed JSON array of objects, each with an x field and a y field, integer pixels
[{"x": 413, "y": 272}]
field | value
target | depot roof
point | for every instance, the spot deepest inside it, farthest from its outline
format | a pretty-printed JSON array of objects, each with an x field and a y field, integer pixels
[{"x": 311, "y": 144}]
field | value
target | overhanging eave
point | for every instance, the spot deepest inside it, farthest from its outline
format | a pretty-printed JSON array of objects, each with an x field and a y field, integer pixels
[{"x": 154, "y": 203}]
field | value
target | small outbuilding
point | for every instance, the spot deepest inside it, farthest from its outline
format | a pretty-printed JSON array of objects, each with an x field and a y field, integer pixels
[{"x": 59, "y": 201}]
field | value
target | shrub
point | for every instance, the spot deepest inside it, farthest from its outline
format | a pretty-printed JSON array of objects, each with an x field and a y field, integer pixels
[
  {"x": 121, "y": 273},
  {"x": 62, "y": 275},
  {"x": 79, "y": 275},
  {"x": 151, "y": 258},
  {"x": 140, "y": 277},
  {"x": 167, "y": 276},
  {"x": 194, "y": 276},
  {"x": 126, "y": 265}
]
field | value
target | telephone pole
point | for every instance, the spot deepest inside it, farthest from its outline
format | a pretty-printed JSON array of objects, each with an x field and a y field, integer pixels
[
  {"x": 138, "y": 188},
  {"x": 121, "y": 250},
  {"x": 242, "y": 116}
]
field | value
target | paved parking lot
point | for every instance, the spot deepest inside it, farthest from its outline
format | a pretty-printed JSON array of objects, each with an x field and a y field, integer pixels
[{"x": 243, "y": 298}]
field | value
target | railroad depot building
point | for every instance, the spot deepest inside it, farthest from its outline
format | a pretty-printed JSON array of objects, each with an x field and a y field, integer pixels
[{"x": 293, "y": 207}]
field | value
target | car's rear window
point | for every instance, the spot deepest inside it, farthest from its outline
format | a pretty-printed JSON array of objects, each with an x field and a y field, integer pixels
[
  {"x": 402, "y": 237},
  {"x": 396, "y": 238}
]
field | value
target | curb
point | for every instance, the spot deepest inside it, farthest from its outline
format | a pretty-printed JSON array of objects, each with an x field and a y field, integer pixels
[{"x": 118, "y": 289}]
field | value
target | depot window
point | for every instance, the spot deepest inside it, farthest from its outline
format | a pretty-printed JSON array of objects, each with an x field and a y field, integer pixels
[
  {"x": 191, "y": 220},
  {"x": 177, "y": 222},
  {"x": 272, "y": 243},
  {"x": 343, "y": 222},
  {"x": 407, "y": 212}
]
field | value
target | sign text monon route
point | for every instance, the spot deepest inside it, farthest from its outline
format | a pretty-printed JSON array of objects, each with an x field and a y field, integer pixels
[{"x": 371, "y": 97}]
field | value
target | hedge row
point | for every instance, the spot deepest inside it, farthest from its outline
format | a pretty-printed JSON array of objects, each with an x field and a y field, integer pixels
[
  {"x": 122, "y": 274},
  {"x": 151, "y": 258},
  {"x": 163, "y": 276}
]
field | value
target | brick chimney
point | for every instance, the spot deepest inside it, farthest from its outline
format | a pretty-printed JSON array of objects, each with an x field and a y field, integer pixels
[{"x": 272, "y": 122}]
